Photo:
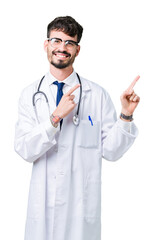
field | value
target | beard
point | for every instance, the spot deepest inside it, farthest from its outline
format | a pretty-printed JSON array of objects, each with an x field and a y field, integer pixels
[{"x": 61, "y": 64}]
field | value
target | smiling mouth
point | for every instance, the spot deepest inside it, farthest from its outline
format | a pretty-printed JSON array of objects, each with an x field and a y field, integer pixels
[{"x": 62, "y": 55}]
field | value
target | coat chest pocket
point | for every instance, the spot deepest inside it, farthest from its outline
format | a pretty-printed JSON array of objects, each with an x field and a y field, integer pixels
[{"x": 87, "y": 134}]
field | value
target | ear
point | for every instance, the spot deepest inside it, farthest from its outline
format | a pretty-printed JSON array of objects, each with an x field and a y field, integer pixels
[
  {"x": 45, "y": 45},
  {"x": 78, "y": 50}
]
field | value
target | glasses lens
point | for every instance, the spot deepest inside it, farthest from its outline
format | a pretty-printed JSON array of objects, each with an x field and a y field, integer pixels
[
  {"x": 69, "y": 44},
  {"x": 55, "y": 42}
]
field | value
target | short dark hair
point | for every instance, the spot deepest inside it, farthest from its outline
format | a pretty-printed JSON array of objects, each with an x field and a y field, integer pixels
[{"x": 68, "y": 25}]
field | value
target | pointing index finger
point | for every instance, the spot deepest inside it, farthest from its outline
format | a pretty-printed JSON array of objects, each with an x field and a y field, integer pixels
[
  {"x": 72, "y": 90},
  {"x": 133, "y": 83}
]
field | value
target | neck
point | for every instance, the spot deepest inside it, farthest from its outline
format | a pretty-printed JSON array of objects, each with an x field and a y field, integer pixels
[{"x": 61, "y": 74}]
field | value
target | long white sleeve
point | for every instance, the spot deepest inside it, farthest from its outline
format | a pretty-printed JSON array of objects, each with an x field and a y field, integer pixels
[
  {"x": 117, "y": 135},
  {"x": 31, "y": 139}
]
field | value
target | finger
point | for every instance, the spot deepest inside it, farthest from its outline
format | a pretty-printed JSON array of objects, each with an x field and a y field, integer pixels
[
  {"x": 72, "y": 90},
  {"x": 71, "y": 97},
  {"x": 72, "y": 103},
  {"x": 136, "y": 99},
  {"x": 127, "y": 94},
  {"x": 132, "y": 96},
  {"x": 133, "y": 83}
]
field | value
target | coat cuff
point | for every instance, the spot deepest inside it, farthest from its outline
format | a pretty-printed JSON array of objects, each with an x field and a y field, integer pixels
[
  {"x": 51, "y": 130},
  {"x": 129, "y": 128}
]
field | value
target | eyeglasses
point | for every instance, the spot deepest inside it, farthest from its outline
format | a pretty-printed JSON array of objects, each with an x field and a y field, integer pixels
[{"x": 56, "y": 42}]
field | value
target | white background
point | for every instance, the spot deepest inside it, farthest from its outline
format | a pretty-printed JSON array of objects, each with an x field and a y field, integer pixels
[{"x": 117, "y": 45}]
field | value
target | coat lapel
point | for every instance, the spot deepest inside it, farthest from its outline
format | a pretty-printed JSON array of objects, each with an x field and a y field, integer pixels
[{"x": 85, "y": 87}]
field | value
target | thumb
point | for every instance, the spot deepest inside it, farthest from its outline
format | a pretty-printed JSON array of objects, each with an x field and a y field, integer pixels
[{"x": 127, "y": 93}]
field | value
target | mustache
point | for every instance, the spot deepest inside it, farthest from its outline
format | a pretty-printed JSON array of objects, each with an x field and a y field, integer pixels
[{"x": 64, "y": 52}]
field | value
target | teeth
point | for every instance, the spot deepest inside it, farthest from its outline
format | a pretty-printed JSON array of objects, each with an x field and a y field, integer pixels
[{"x": 61, "y": 56}]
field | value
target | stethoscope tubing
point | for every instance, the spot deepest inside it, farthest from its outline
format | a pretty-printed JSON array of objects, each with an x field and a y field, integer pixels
[{"x": 77, "y": 113}]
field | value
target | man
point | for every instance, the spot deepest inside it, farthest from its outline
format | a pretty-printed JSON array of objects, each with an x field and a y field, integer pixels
[{"x": 65, "y": 189}]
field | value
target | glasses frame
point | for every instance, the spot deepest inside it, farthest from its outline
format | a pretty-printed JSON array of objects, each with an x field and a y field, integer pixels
[{"x": 65, "y": 41}]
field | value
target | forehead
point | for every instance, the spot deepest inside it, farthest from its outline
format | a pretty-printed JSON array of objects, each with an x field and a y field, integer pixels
[{"x": 62, "y": 35}]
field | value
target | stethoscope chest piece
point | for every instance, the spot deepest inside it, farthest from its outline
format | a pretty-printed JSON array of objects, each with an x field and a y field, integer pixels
[{"x": 76, "y": 120}]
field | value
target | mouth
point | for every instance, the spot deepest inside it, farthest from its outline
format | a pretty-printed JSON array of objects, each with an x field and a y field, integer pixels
[{"x": 61, "y": 55}]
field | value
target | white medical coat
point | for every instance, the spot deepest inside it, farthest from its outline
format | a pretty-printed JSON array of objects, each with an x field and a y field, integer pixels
[{"x": 65, "y": 188}]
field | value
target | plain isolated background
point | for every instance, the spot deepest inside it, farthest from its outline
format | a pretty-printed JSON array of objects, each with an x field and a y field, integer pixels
[{"x": 117, "y": 45}]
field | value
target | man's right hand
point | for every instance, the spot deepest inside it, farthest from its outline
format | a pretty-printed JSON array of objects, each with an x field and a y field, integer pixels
[{"x": 66, "y": 104}]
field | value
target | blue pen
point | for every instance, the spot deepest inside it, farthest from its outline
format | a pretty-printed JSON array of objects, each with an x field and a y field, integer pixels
[{"x": 90, "y": 120}]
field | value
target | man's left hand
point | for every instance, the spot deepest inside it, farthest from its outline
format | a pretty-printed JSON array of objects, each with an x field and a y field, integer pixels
[{"x": 129, "y": 99}]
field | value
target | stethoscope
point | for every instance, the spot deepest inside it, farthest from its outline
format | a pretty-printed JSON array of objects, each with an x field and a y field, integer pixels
[{"x": 76, "y": 119}]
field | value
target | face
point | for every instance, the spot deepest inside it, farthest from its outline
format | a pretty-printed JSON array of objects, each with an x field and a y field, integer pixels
[{"x": 61, "y": 56}]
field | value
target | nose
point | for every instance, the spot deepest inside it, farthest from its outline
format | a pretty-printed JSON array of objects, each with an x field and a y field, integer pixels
[{"x": 62, "y": 46}]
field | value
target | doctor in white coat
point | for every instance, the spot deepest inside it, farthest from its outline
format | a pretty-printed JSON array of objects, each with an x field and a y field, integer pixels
[{"x": 65, "y": 188}]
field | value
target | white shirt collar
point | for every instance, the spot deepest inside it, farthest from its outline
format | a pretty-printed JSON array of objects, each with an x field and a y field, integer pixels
[{"x": 71, "y": 80}]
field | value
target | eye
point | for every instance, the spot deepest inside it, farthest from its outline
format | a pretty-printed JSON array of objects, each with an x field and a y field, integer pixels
[
  {"x": 69, "y": 43},
  {"x": 56, "y": 40}
]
